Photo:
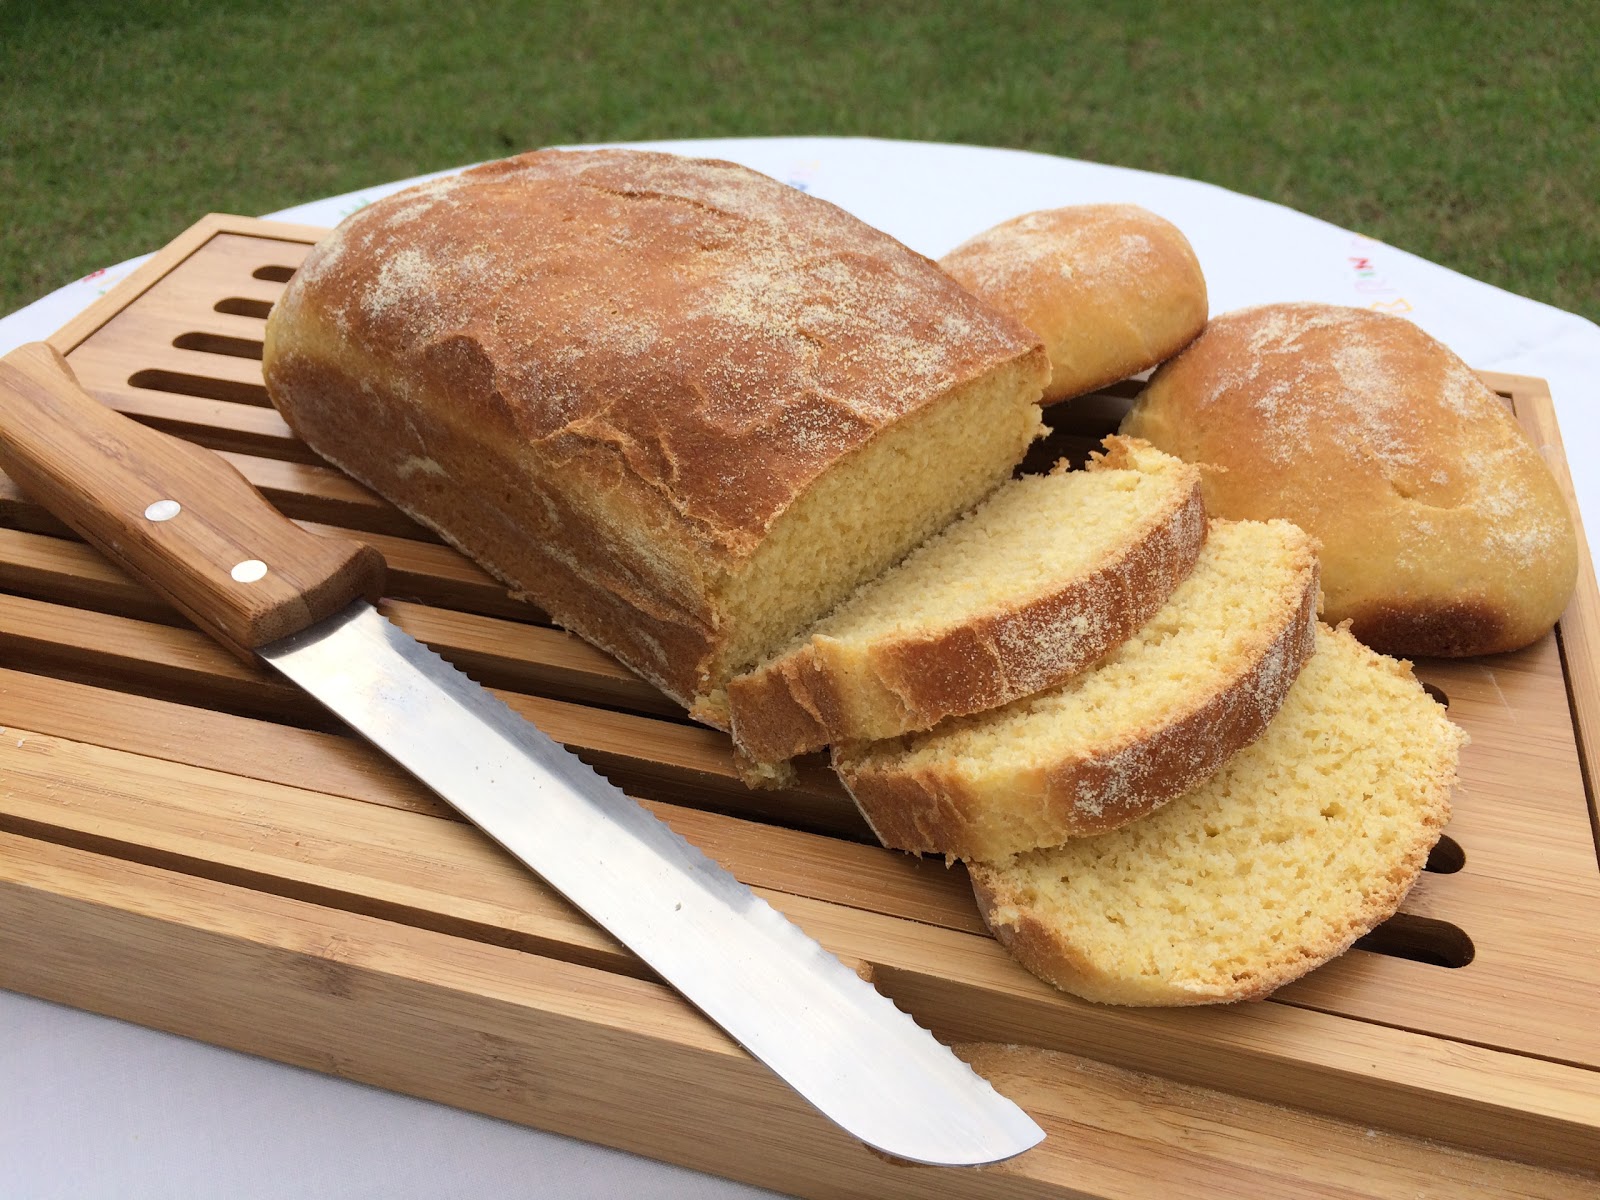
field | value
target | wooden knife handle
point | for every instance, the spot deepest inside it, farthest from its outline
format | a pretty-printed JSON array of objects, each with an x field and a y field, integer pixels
[{"x": 175, "y": 515}]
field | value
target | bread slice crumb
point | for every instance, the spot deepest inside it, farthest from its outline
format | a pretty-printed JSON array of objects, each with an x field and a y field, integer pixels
[
  {"x": 1034, "y": 585},
  {"x": 1302, "y": 843},
  {"x": 1147, "y": 722}
]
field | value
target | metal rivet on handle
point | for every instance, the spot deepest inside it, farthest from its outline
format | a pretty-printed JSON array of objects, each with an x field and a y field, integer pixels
[
  {"x": 250, "y": 570},
  {"x": 162, "y": 510}
]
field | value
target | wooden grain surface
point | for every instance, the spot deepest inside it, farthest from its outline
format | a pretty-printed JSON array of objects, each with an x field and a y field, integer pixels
[{"x": 188, "y": 843}]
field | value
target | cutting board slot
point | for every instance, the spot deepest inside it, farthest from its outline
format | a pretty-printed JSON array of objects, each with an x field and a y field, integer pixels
[
  {"x": 243, "y": 306},
  {"x": 420, "y": 572},
  {"x": 159, "y": 380},
  {"x": 387, "y": 849},
  {"x": 178, "y": 661},
  {"x": 120, "y": 655},
  {"x": 1446, "y": 857},
  {"x": 215, "y": 343},
  {"x": 595, "y": 954},
  {"x": 556, "y": 936},
  {"x": 319, "y": 493},
  {"x": 1420, "y": 939},
  {"x": 274, "y": 273},
  {"x": 222, "y": 425},
  {"x": 61, "y": 570}
]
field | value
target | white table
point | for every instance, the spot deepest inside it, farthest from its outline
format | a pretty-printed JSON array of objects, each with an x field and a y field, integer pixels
[{"x": 91, "y": 1107}]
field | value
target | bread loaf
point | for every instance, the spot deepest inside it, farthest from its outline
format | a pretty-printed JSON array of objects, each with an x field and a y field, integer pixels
[
  {"x": 1154, "y": 717},
  {"x": 685, "y": 408},
  {"x": 1442, "y": 530},
  {"x": 1303, "y": 842},
  {"x": 1043, "y": 578},
  {"x": 1112, "y": 289}
]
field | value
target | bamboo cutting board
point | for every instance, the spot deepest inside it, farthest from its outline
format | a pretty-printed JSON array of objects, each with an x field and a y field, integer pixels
[{"x": 189, "y": 843}]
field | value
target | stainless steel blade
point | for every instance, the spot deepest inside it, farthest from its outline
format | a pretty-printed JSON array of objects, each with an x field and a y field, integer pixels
[{"x": 841, "y": 1045}]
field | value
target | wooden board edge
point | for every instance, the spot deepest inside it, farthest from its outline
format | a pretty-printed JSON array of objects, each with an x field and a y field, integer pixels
[
  {"x": 539, "y": 1043},
  {"x": 1514, "y": 386},
  {"x": 78, "y": 330},
  {"x": 1578, "y": 631},
  {"x": 263, "y": 227},
  {"x": 964, "y": 988},
  {"x": 511, "y": 1035}
]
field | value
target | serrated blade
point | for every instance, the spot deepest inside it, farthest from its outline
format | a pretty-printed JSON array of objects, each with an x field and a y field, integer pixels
[{"x": 845, "y": 1048}]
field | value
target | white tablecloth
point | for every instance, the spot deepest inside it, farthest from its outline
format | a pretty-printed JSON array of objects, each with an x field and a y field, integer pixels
[{"x": 91, "y": 1107}]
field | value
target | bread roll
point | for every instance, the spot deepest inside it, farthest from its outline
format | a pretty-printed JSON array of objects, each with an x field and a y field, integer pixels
[
  {"x": 1442, "y": 530},
  {"x": 1112, "y": 289},
  {"x": 685, "y": 408}
]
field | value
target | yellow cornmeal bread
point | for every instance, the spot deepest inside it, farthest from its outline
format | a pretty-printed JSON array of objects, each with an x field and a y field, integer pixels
[
  {"x": 684, "y": 407},
  {"x": 1147, "y": 722},
  {"x": 1306, "y": 840},
  {"x": 1034, "y": 585}
]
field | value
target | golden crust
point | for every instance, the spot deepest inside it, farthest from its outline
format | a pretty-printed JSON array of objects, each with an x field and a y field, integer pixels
[
  {"x": 1443, "y": 531},
  {"x": 605, "y": 375},
  {"x": 938, "y": 809},
  {"x": 1041, "y": 942},
  {"x": 906, "y": 681},
  {"x": 1112, "y": 289}
]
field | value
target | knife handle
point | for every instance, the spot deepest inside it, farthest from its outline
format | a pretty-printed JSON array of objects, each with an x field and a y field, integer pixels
[{"x": 176, "y": 516}]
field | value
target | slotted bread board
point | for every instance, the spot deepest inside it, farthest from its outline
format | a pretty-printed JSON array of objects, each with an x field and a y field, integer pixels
[{"x": 191, "y": 844}]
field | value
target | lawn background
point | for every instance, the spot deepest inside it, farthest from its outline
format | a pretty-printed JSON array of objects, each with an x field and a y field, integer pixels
[{"x": 1467, "y": 133}]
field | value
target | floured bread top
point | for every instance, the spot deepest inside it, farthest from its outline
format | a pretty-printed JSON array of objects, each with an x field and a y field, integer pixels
[
  {"x": 1112, "y": 289},
  {"x": 1323, "y": 379},
  {"x": 1443, "y": 531},
  {"x": 723, "y": 336},
  {"x": 1109, "y": 245}
]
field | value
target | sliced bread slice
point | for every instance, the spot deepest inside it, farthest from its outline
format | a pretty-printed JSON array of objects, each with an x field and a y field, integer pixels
[
  {"x": 1032, "y": 586},
  {"x": 1303, "y": 842},
  {"x": 1153, "y": 718}
]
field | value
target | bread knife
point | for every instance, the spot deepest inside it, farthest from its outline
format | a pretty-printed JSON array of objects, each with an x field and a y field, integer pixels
[{"x": 183, "y": 521}]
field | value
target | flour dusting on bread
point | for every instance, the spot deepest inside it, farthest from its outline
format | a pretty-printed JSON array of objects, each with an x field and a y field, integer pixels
[{"x": 1443, "y": 531}]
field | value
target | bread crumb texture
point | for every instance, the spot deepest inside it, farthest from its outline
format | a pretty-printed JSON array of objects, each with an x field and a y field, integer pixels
[
  {"x": 1443, "y": 531},
  {"x": 1036, "y": 583},
  {"x": 1026, "y": 540},
  {"x": 1151, "y": 718},
  {"x": 1112, "y": 289},
  {"x": 1306, "y": 840}
]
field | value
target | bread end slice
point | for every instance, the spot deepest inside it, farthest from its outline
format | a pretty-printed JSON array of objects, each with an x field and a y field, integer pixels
[{"x": 1306, "y": 840}]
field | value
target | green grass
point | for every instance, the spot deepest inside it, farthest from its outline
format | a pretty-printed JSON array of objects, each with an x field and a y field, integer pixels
[{"x": 1468, "y": 133}]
